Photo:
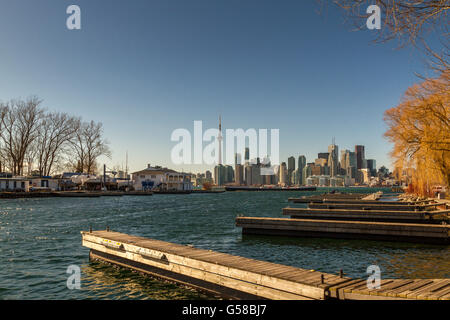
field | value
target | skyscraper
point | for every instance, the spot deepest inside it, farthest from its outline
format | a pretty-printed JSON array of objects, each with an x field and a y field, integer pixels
[
  {"x": 229, "y": 174},
  {"x": 359, "y": 150},
  {"x": 283, "y": 174},
  {"x": 301, "y": 166},
  {"x": 348, "y": 163},
  {"x": 238, "y": 170},
  {"x": 247, "y": 154},
  {"x": 290, "y": 170},
  {"x": 372, "y": 167},
  {"x": 333, "y": 159},
  {"x": 219, "y": 175}
]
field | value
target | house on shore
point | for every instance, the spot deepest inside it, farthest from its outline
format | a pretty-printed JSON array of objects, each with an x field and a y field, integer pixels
[
  {"x": 161, "y": 178},
  {"x": 14, "y": 184}
]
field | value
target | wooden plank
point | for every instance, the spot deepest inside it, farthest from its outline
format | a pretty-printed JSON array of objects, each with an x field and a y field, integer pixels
[
  {"x": 423, "y": 290},
  {"x": 416, "y": 283},
  {"x": 260, "y": 278},
  {"x": 303, "y": 290}
]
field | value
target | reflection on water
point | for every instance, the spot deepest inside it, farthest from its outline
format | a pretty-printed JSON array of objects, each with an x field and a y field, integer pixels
[
  {"x": 103, "y": 281},
  {"x": 40, "y": 238}
]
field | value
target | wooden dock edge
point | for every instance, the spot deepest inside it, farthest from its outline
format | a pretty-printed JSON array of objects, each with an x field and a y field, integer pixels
[
  {"x": 214, "y": 276},
  {"x": 382, "y": 231},
  {"x": 192, "y": 267},
  {"x": 205, "y": 287}
]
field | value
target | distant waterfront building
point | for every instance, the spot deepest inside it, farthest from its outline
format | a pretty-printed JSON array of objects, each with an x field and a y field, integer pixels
[
  {"x": 359, "y": 151},
  {"x": 162, "y": 178},
  {"x": 208, "y": 175}
]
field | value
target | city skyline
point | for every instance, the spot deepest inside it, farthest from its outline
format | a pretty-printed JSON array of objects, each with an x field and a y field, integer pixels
[{"x": 169, "y": 64}]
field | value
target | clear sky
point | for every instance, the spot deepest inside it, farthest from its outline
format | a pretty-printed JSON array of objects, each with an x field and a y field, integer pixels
[{"x": 146, "y": 68}]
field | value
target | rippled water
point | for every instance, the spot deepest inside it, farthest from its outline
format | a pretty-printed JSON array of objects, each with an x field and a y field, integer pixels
[{"x": 40, "y": 238}]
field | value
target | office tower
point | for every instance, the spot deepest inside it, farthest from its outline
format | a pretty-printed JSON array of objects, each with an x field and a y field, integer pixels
[
  {"x": 320, "y": 162},
  {"x": 307, "y": 172},
  {"x": 238, "y": 169},
  {"x": 208, "y": 175},
  {"x": 323, "y": 155},
  {"x": 283, "y": 174},
  {"x": 256, "y": 174},
  {"x": 359, "y": 151},
  {"x": 301, "y": 166},
  {"x": 219, "y": 175},
  {"x": 239, "y": 174},
  {"x": 237, "y": 158},
  {"x": 372, "y": 167},
  {"x": 290, "y": 170},
  {"x": 333, "y": 161},
  {"x": 248, "y": 174},
  {"x": 229, "y": 174},
  {"x": 247, "y": 154}
]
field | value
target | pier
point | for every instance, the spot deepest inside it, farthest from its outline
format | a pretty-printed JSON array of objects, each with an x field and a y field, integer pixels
[
  {"x": 386, "y": 231},
  {"x": 235, "y": 277},
  {"x": 350, "y": 217},
  {"x": 437, "y": 216}
]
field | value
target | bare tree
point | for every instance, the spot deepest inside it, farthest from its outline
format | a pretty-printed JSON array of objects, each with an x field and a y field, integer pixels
[
  {"x": 89, "y": 144},
  {"x": 56, "y": 131},
  {"x": 20, "y": 125},
  {"x": 410, "y": 22}
]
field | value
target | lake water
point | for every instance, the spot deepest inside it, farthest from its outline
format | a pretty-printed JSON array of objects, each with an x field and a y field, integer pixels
[{"x": 40, "y": 238}]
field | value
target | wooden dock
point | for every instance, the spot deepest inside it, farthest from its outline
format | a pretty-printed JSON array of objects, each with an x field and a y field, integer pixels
[
  {"x": 237, "y": 277},
  {"x": 368, "y": 206},
  {"x": 388, "y": 231},
  {"x": 368, "y": 215}
]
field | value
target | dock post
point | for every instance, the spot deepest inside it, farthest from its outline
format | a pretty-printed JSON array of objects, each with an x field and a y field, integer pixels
[
  {"x": 107, "y": 228},
  {"x": 341, "y": 274},
  {"x": 321, "y": 279}
]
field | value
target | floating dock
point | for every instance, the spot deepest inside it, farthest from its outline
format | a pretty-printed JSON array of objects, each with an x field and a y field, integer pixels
[
  {"x": 236, "y": 277},
  {"x": 369, "y": 206},
  {"x": 386, "y": 231},
  {"x": 368, "y": 215},
  {"x": 246, "y": 188}
]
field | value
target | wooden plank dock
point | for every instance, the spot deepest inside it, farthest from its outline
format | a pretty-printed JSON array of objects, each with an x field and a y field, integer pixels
[
  {"x": 214, "y": 272},
  {"x": 367, "y": 215},
  {"x": 237, "y": 277},
  {"x": 389, "y": 231},
  {"x": 368, "y": 206}
]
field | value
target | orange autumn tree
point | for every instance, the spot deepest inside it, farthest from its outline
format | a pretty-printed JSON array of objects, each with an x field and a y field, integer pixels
[{"x": 419, "y": 128}]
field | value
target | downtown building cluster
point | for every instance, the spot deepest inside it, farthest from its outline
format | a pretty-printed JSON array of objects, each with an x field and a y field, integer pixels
[{"x": 332, "y": 168}]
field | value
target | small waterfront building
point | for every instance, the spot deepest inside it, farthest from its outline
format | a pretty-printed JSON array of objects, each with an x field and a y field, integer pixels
[
  {"x": 14, "y": 184},
  {"x": 44, "y": 183},
  {"x": 162, "y": 178}
]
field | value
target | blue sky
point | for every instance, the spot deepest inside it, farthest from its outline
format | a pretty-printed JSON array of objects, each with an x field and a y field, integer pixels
[{"x": 146, "y": 68}]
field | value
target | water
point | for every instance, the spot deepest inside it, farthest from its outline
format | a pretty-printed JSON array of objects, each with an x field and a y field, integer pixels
[{"x": 40, "y": 238}]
